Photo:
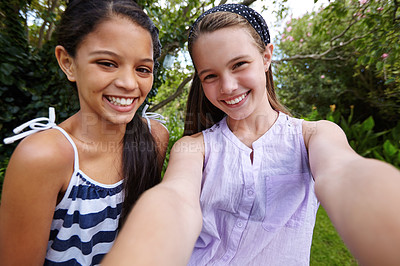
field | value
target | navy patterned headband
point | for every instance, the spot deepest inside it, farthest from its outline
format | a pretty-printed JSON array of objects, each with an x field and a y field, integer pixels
[{"x": 255, "y": 19}]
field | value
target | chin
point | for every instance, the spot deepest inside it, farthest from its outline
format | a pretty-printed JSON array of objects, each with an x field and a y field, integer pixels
[
  {"x": 121, "y": 120},
  {"x": 239, "y": 116}
]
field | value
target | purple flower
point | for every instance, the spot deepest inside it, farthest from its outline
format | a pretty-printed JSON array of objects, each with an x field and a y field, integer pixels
[{"x": 385, "y": 55}]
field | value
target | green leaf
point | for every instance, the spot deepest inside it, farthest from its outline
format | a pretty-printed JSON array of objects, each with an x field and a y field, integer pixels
[
  {"x": 378, "y": 156},
  {"x": 391, "y": 80},
  {"x": 368, "y": 124},
  {"x": 6, "y": 68},
  {"x": 379, "y": 65},
  {"x": 389, "y": 148}
]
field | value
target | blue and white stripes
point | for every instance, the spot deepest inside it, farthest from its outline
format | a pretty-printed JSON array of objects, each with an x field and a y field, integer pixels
[{"x": 85, "y": 222}]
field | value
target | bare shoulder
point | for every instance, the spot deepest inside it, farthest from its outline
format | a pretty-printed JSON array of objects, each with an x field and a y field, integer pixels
[
  {"x": 185, "y": 165},
  {"x": 322, "y": 129},
  {"x": 328, "y": 148},
  {"x": 188, "y": 154},
  {"x": 44, "y": 152},
  {"x": 47, "y": 145},
  {"x": 193, "y": 144},
  {"x": 161, "y": 136},
  {"x": 159, "y": 131}
]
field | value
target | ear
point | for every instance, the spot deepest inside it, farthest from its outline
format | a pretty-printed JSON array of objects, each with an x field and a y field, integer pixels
[
  {"x": 66, "y": 62},
  {"x": 267, "y": 56}
]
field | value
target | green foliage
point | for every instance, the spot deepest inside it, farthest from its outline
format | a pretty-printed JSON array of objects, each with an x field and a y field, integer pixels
[
  {"x": 346, "y": 54},
  {"x": 381, "y": 145},
  {"x": 390, "y": 150},
  {"x": 173, "y": 77},
  {"x": 361, "y": 136},
  {"x": 173, "y": 19},
  {"x": 3, "y": 166},
  {"x": 30, "y": 82}
]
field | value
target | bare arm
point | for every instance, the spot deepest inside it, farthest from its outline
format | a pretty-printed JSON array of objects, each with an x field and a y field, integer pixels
[
  {"x": 361, "y": 196},
  {"x": 166, "y": 221},
  {"x": 31, "y": 186}
]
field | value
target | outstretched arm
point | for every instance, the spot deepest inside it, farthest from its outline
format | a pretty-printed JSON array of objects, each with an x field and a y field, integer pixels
[
  {"x": 361, "y": 196},
  {"x": 165, "y": 222}
]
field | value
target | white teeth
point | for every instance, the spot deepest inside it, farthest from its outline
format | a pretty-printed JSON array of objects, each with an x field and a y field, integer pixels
[
  {"x": 237, "y": 100},
  {"x": 120, "y": 101}
]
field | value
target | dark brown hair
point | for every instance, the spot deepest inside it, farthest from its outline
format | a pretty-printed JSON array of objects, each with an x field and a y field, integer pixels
[
  {"x": 140, "y": 166},
  {"x": 200, "y": 112}
]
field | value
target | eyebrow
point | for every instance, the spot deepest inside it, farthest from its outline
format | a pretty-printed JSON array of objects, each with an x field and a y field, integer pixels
[
  {"x": 107, "y": 52},
  {"x": 98, "y": 52},
  {"x": 229, "y": 62}
]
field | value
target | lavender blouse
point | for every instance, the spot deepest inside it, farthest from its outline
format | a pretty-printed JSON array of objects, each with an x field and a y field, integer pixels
[{"x": 261, "y": 212}]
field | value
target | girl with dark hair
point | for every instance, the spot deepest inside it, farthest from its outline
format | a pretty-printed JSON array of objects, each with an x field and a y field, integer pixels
[
  {"x": 245, "y": 189},
  {"x": 68, "y": 189}
]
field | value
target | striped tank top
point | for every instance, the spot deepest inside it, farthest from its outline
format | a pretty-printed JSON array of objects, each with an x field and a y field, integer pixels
[{"x": 85, "y": 222}]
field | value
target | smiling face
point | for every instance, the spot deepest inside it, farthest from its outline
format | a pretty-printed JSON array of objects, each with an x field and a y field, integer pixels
[
  {"x": 113, "y": 70},
  {"x": 232, "y": 71}
]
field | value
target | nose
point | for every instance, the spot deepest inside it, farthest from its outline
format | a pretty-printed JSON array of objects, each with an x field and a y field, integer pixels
[
  {"x": 126, "y": 79},
  {"x": 228, "y": 84}
]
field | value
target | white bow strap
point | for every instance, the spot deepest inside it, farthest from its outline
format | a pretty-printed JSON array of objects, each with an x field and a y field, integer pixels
[
  {"x": 152, "y": 115},
  {"x": 34, "y": 125}
]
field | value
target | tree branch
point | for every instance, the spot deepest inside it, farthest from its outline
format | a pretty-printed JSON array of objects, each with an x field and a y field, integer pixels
[
  {"x": 52, "y": 5},
  {"x": 167, "y": 49},
  {"x": 343, "y": 32},
  {"x": 322, "y": 55},
  {"x": 309, "y": 56},
  {"x": 178, "y": 92}
]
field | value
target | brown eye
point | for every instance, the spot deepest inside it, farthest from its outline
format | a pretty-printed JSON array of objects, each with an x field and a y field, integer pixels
[
  {"x": 106, "y": 64},
  {"x": 209, "y": 76},
  {"x": 145, "y": 70},
  {"x": 238, "y": 64}
]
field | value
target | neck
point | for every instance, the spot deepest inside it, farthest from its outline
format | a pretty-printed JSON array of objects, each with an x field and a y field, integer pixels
[
  {"x": 90, "y": 130},
  {"x": 253, "y": 127},
  {"x": 257, "y": 123}
]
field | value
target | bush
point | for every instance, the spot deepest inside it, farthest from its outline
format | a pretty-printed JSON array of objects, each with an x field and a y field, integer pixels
[{"x": 383, "y": 145}]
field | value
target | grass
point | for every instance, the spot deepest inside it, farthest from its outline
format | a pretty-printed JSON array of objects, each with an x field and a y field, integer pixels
[{"x": 327, "y": 247}]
